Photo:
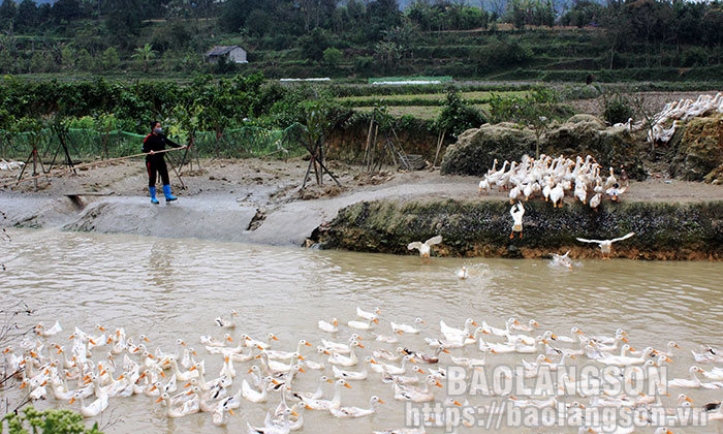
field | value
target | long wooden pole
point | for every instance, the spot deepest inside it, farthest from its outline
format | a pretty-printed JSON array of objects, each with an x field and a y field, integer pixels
[{"x": 94, "y": 163}]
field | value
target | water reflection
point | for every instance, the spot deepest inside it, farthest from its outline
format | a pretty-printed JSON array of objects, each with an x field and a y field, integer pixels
[{"x": 169, "y": 289}]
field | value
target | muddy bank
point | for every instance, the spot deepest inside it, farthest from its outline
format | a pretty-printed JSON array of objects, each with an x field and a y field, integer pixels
[
  {"x": 252, "y": 213},
  {"x": 261, "y": 201},
  {"x": 690, "y": 231}
]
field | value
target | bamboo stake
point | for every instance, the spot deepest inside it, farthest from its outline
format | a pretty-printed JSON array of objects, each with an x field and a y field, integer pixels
[{"x": 439, "y": 147}]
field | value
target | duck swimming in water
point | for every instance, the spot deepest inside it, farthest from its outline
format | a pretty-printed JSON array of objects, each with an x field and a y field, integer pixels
[{"x": 425, "y": 248}]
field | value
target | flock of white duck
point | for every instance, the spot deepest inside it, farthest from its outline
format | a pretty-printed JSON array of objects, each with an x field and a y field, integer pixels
[
  {"x": 674, "y": 113},
  {"x": 554, "y": 178},
  {"x": 405, "y": 361}
]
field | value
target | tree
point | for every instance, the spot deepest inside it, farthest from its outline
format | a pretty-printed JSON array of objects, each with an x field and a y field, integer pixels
[
  {"x": 234, "y": 14},
  {"x": 145, "y": 55},
  {"x": 582, "y": 13},
  {"x": 90, "y": 37},
  {"x": 317, "y": 118},
  {"x": 8, "y": 11},
  {"x": 402, "y": 35},
  {"x": 537, "y": 111},
  {"x": 333, "y": 57},
  {"x": 387, "y": 54},
  {"x": 313, "y": 44},
  {"x": 123, "y": 21},
  {"x": 26, "y": 19},
  {"x": 712, "y": 26},
  {"x": 381, "y": 15},
  {"x": 316, "y": 12},
  {"x": 65, "y": 11},
  {"x": 456, "y": 116},
  {"x": 85, "y": 61}
]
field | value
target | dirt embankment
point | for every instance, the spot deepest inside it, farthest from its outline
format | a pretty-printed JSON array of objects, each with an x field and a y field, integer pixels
[{"x": 252, "y": 200}]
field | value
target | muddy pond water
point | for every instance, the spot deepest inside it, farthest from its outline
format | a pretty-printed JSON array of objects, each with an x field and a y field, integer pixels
[{"x": 171, "y": 289}]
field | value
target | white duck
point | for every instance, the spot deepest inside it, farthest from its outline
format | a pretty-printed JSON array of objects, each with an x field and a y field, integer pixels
[
  {"x": 454, "y": 334},
  {"x": 563, "y": 261},
  {"x": 40, "y": 329},
  {"x": 362, "y": 325},
  {"x": 353, "y": 375},
  {"x": 557, "y": 194},
  {"x": 389, "y": 369},
  {"x": 342, "y": 360},
  {"x": 329, "y": 327},
  {"x": 253, "y": 395},
  {"x": 490, "y": 330},
  {"x": 350, "y": 412},
  {"x": 517, "y": 212},
  {"x": 414, "y": 394},
  {"x": 361, "y": 313},
  {"x": 406, "y": 328},
  {"x": 93, "y": 409},
  {"x": 227, "y": 323},
  {"x": 273, "y": 427},
  {"x": 425, "y": 248},
  {"x": 220, "y": 414},
  {"x": 404, "y": 379},
  {"x": 287, "y": 355},
  {"x": 707, "y": 354},
  {"x": 275, "y": 367},
  {"x": 251, "y": 342},
  {"x": 326, "y": 404},
  {"x": 462, "y": 273},
  {"x": 623, "y": 360},
  {"x": 615, "y": 192},
  {"x": 319, "y": 392},
  {"x": 606, "y": 245},
  {"x": 694, "y": 381},
  {"x": 340, "y": 347},
  {"x": 210, "y": 341}
]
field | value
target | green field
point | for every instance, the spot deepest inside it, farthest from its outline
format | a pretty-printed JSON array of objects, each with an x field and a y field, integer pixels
[
  {"x": 423, "y": 106},
  {"x": 421, "y": 112}
]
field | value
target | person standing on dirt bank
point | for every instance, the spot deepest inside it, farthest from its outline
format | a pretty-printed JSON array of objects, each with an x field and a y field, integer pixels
[{"x": 156, "y": 163}]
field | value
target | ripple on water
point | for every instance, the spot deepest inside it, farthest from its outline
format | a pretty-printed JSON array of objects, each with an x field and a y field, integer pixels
[{"x": 170, "y": 289}]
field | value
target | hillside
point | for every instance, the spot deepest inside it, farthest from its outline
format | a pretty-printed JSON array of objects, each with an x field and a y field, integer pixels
[{"x": 354, "y": 41}]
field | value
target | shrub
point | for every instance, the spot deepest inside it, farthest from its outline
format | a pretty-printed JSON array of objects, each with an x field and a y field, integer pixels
[
  {"x": 48, "y": 422},
  {"x": 457, "y": 117},
  {"x": 618, "y": 109}
]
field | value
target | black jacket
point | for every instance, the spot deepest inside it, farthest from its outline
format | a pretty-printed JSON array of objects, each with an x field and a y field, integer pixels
[{"x": 156, "y": 143}]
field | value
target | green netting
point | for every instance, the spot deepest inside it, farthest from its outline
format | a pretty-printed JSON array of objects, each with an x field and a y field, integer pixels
[
  {"x": 246, "y": 142},
  {"x": 91, "y": 144}
]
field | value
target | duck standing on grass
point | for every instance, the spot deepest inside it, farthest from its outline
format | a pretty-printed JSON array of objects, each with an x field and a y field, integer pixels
[{"x": 517, "y": 212}]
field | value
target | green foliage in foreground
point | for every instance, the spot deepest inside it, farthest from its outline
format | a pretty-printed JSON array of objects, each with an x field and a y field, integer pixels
[{"x": 31, "y": 420}]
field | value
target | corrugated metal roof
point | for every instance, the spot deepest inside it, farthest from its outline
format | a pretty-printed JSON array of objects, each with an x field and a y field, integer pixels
[{"x": 221, "y": 50}]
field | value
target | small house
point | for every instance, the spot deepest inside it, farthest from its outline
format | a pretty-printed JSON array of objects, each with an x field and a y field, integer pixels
[{"x": 231, "y": 53}]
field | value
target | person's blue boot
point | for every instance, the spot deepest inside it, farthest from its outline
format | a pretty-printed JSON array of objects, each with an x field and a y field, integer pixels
[
  {"x": 152, "y": 190},
  {"x": 167, "y": 193}
]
